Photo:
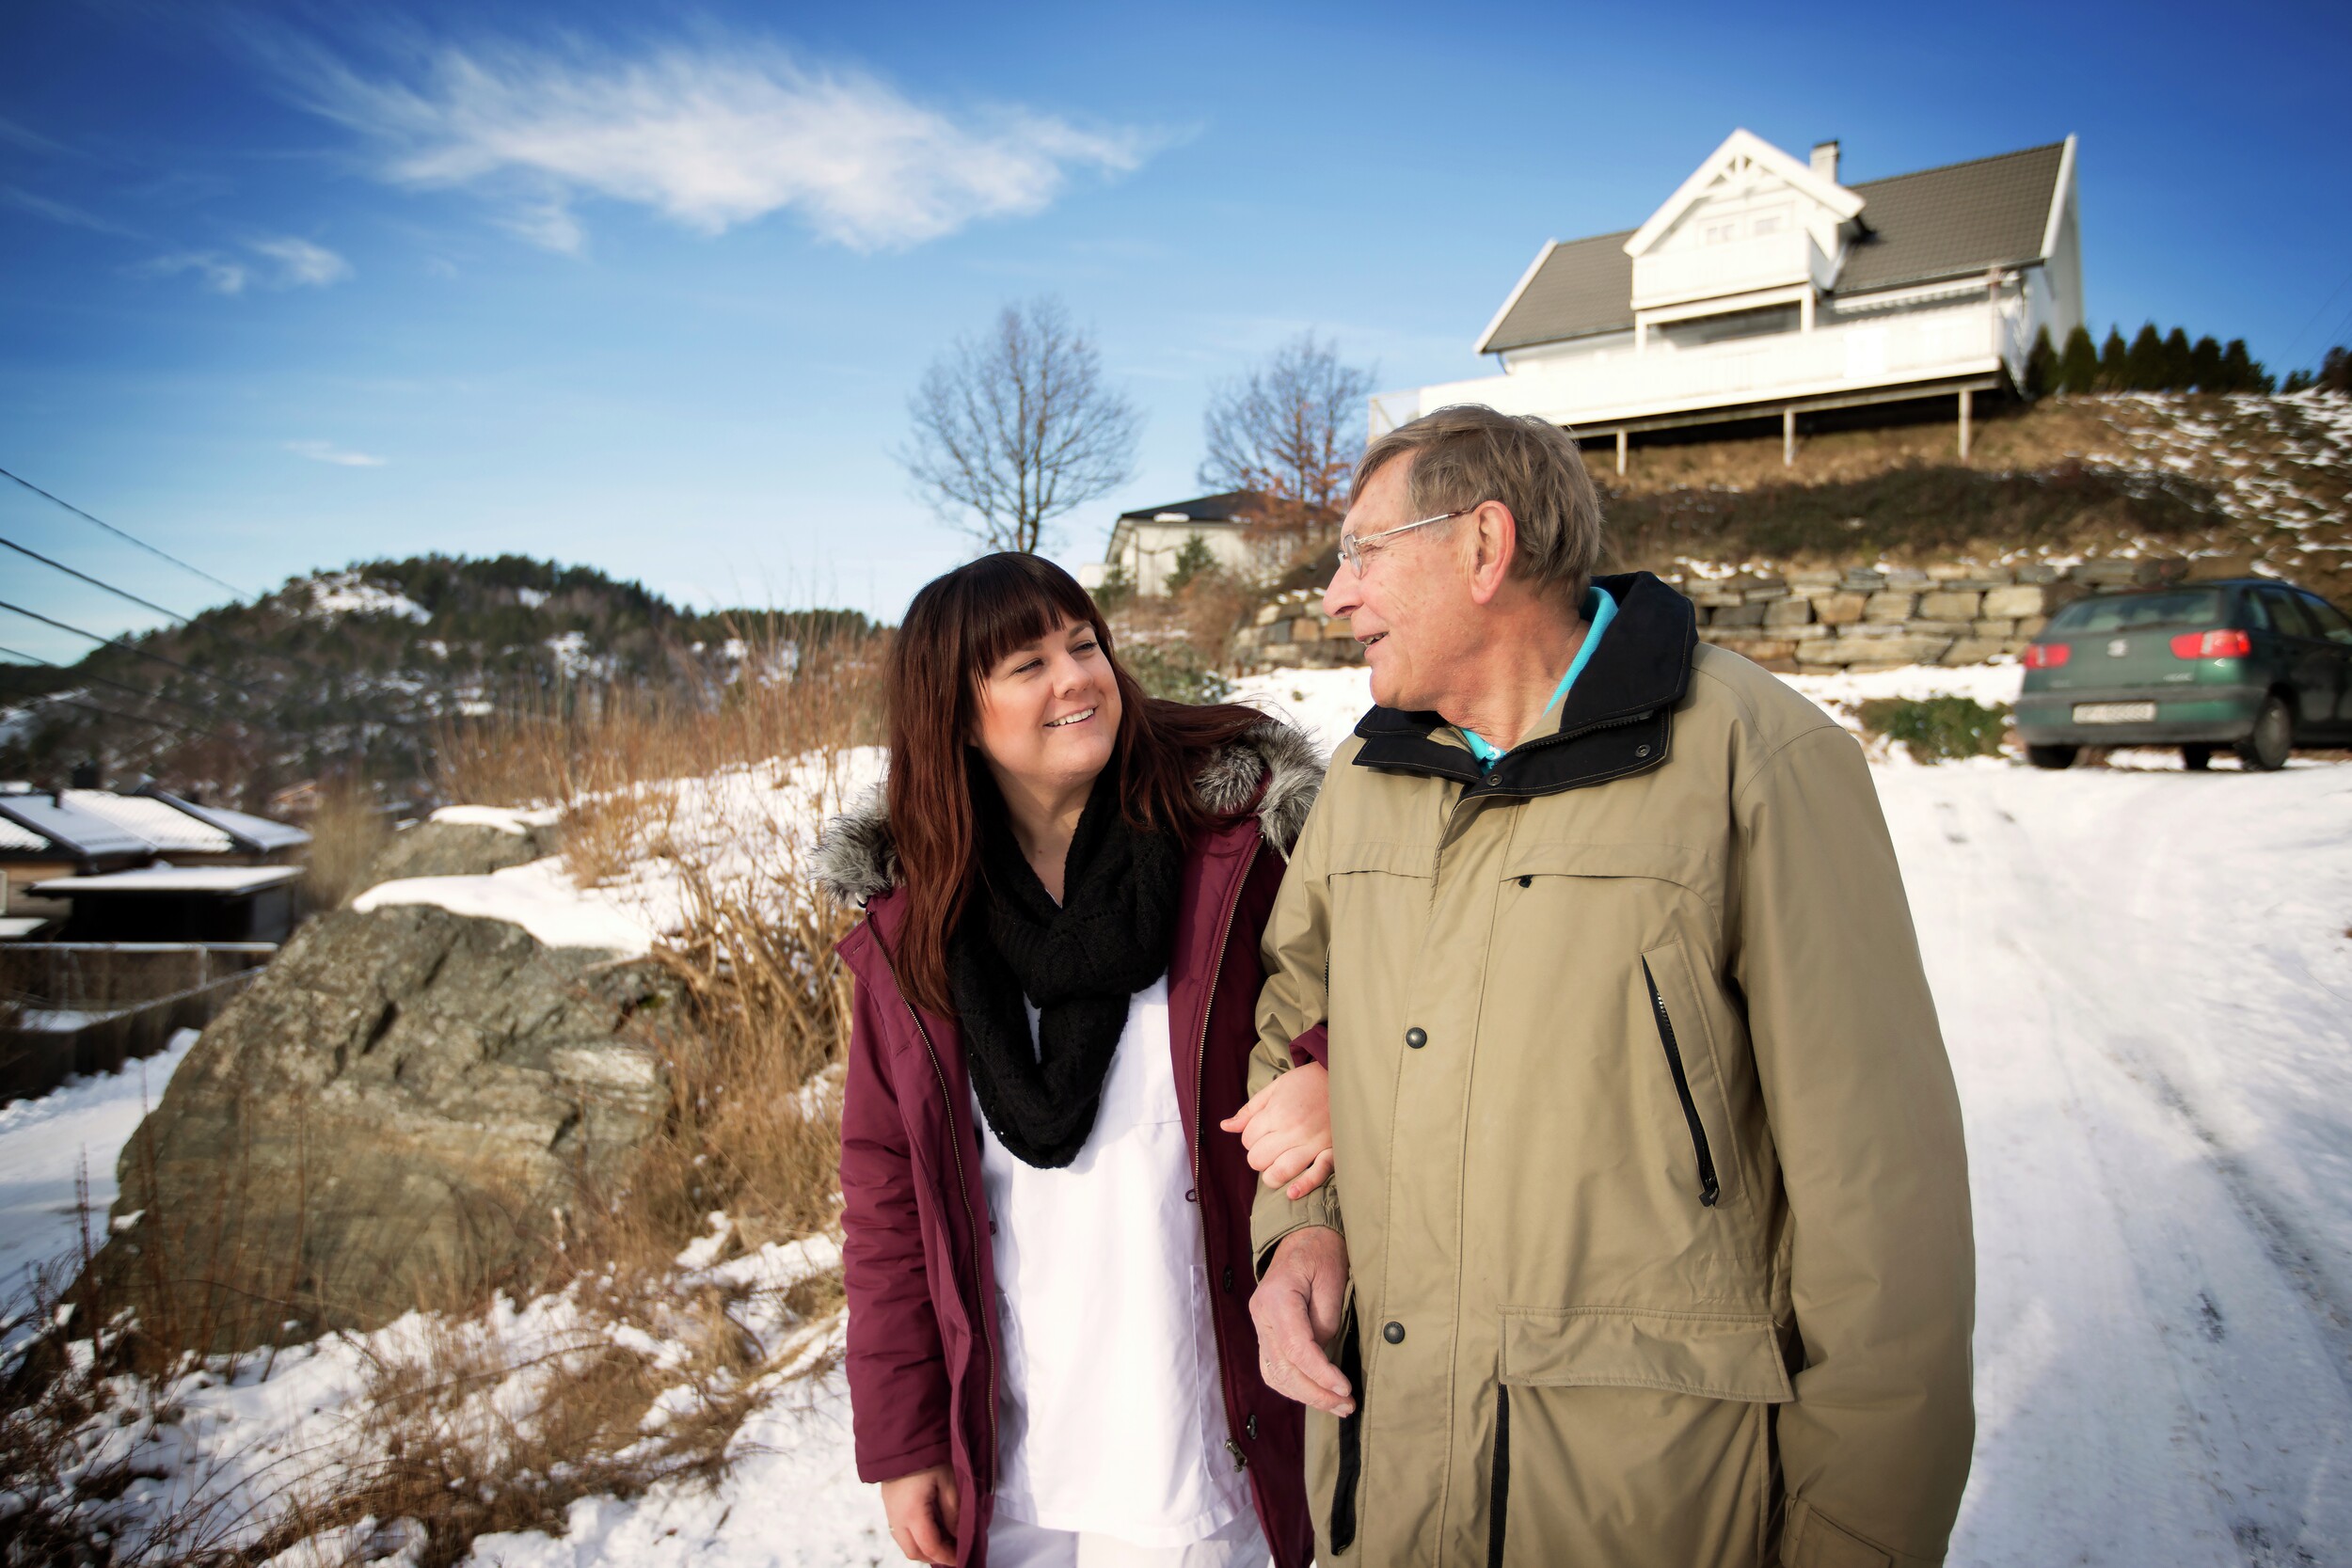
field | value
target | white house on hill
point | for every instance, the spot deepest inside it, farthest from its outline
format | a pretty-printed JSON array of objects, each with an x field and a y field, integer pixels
[
  {"x": 1765, "y": 286},
  {"x": 1145, "y": 543}
]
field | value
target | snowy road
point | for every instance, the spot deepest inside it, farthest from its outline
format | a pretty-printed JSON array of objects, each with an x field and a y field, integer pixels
[{"x": 2146, "y": 985}]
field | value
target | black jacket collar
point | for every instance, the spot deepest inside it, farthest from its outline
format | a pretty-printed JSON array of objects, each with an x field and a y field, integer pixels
[{"x": 1618, "y": 718}]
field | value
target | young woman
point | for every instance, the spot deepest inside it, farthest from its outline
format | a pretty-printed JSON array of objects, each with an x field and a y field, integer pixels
[{"x": 1051, "y": 1358}]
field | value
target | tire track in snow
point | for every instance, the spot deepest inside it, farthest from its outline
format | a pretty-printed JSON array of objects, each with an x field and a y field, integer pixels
[{"x": 2179, "y": 1302}]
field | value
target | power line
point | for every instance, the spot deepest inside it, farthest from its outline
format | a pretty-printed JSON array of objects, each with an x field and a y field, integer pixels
[
  {"x": 62, "y": 566},
  {"x": 127, "y": 538},
  {"x": 86, "y": 676},
  {"x": 128, "y": 648}
]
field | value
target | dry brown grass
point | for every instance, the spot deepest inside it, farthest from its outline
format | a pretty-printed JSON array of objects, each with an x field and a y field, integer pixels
[{"x": 347, "y": 831}]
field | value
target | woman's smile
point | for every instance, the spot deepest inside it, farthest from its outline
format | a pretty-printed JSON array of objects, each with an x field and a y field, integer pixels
[{"x": 1068, "y": 719}]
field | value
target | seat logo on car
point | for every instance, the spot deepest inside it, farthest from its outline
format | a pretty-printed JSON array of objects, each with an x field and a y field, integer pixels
[{"x": 2117, "y": 648}]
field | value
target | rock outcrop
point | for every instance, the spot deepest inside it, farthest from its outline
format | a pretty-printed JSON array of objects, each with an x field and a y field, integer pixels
[
  {"x": 457, "y": 849},
  {"x": 403, "y": 1111}
]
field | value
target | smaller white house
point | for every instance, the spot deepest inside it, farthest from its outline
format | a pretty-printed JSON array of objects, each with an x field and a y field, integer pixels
[
  {"x": 1145, "y": 543},
  {"x": 1766, "y": 287}
]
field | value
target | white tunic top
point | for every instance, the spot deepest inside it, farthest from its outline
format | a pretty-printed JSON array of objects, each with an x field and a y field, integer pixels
[{"x": 1111, "y": 1417}]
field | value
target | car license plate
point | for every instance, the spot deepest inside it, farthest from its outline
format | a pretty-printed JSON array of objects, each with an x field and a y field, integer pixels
[{"x": 2114, "y": 713}]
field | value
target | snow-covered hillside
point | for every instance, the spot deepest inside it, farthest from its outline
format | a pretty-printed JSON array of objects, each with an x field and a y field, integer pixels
[{"x": 2145, "y": 978}]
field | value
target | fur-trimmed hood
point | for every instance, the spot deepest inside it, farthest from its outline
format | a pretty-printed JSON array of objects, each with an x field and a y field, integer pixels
[{"x": 856, "y": 859}]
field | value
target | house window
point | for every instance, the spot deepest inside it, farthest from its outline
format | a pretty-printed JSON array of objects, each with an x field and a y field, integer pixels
[
  {"x": 1768, "y": 223},
  {"x": 1720, "y": 233}
]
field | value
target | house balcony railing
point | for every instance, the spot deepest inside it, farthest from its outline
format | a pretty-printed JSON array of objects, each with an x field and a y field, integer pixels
[
  {"x": 1710, "y": 271},
  {"x": 1622, "y": 386}
]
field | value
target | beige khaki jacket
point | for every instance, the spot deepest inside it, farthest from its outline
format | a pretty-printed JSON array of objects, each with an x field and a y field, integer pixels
[{"x": 1648, "y": 1153}]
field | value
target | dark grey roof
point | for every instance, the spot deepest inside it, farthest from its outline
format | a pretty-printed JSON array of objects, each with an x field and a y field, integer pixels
[
  {"x": 1943, "y": 222},
  {"x": 1583, "y": 287},
  {"x": 1949, "y": 221},
  {"x": 1229, "y": 507}
]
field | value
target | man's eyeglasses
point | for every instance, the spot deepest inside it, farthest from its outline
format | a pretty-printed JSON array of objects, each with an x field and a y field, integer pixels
[{"x": 1352, "y": 545}]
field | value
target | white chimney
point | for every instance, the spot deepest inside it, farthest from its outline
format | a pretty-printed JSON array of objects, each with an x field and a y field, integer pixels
[{"x": 1825, "y": 160}]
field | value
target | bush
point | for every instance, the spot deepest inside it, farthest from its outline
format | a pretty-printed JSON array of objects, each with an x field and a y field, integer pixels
[
  {"x": 1937, "y": 728},
  {"x": 1174, "y": 670}
]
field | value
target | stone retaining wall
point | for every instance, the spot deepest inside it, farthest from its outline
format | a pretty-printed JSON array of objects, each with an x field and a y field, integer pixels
[{"x": 1853, "y": 617}]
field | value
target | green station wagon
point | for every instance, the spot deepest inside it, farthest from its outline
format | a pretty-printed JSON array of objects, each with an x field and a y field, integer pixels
[{"x": 2253, "y": 664}]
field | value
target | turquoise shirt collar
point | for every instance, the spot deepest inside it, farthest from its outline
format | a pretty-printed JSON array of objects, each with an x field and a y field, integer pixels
[{"x": 1600, "y": 609}]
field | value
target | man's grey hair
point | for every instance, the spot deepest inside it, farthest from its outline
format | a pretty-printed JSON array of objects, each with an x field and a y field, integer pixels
[{"x": 1469, "y": 454}]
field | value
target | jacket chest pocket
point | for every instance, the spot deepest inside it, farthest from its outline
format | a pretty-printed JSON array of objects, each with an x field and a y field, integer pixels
[
  {"x": 1692, "y": 1070},
  {"x": 1591, "y": 914}
]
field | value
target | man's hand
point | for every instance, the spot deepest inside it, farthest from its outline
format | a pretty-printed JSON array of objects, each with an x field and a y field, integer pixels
[
  {"x": 922, "y": 1510},
  {"x": 1286, "y": 1127},
  {"x": 1296, "y": 1308}
]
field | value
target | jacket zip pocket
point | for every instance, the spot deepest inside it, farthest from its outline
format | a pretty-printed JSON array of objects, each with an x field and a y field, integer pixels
[
  {"x": 1351, "y": 1465},
  {"x": 1498, "y": 1485},
  {"x": 1708, "y": 1187}
]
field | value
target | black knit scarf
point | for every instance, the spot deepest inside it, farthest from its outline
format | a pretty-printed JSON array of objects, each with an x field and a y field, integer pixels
[{"x": 1079, "y": 961}]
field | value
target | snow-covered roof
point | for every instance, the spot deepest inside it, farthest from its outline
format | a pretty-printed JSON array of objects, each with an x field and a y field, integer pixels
[
  {"x": 16, "y": 927},
  {"x": 15, "y": 835},
  {"x": 172, "y": 832},
  {"x": 80, "y": 833},
  {"x": 173, "y": 878},
  {"x": 255, "y": 835}
]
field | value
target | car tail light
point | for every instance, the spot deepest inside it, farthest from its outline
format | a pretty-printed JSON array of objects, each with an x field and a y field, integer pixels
[
  {"x": 2049, "y": 656},
  {"x": 2212, "y": 644}
]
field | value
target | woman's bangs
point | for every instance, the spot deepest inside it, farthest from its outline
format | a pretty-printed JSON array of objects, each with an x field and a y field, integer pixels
[{"x": 1016, "y": 601}]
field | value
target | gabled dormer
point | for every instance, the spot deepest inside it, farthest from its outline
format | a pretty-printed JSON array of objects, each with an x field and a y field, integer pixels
[{"x": 1751, "y": 226}]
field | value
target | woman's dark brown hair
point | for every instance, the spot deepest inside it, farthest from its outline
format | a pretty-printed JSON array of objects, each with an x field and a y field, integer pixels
[{"x": 955, "y": 632}]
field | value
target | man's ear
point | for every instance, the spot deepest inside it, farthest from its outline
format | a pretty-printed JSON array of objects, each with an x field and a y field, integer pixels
[{"x": 1495, "y": 538}]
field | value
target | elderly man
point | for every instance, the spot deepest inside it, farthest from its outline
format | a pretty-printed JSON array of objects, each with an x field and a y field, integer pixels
[{"x": 1649, "y": 1241}]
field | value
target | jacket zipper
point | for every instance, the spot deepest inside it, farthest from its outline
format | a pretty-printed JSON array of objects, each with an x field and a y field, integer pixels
[
  {"x": 984, "y": 1313},
  {"x": 1709, "y": 1188},
  {"x": 1201, "y": 1115}
]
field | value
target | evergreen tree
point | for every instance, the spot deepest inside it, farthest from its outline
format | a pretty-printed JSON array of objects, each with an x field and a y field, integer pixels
[
  {"x": 2078, "y": 367},
  {"x": 2335, "y": 372},
  {"x": 2041, "y": 367},
  {"x": 1193, "y": 560},
  {"x": 2238, "y": 369},
  {"x": 2204, "y": 362},
  {"x": 2180, "y": 365},
  {"x": 2114, "y": 367},
  {"x": 2299, "y": 381},
  {"x": 2143, "y": 369}
]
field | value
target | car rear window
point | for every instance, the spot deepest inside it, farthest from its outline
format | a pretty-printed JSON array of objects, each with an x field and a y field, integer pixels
[{"x": 2189, "y": 607}]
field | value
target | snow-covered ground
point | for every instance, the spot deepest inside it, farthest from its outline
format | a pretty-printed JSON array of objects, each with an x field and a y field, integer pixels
[
  {"x": 58, "y": 1155},
  {"x": 2145, "y": 977}
]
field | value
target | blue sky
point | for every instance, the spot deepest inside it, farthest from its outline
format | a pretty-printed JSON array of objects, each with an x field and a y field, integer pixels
[{"x": 285, "y": 287}]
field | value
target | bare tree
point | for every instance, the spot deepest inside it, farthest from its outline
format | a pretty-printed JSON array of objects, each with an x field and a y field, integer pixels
[
  {"x": 1017, "y": 426},
  {"x": 1292, "y": 428}
]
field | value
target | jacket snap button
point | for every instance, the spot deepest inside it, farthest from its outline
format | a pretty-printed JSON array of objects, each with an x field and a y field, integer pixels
[
  {"x": 1251, "y": 1426},
  {"x": 1393, "y": 1333},
  {"x": 1228, "y": 1288},
  {"x": 1416, "y": 1037},
  {"x": 1641, "y": 751}
]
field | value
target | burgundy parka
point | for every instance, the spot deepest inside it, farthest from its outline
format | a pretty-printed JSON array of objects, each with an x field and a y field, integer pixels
[{"x": 921, "y": 1277}]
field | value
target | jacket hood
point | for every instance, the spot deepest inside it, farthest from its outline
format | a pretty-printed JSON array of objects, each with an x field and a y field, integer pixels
[{"x": 856, "y": 859}]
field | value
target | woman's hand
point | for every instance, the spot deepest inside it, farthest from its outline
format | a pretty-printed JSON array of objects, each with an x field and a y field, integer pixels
[
  {"x": 922, "y": 1510},
  {"x": 1286, "y": 1127}
]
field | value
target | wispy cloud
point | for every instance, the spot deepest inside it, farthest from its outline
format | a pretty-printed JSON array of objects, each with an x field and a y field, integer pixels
[
  {"x": 218, "y": 273},
  {"x": 326, "y": 452},
  {"x": 285, "y": 261},
  {"x": 710, "y": 135},
  {"x": 59, "y": 211},
  {"x": 300, "y": 263}
]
